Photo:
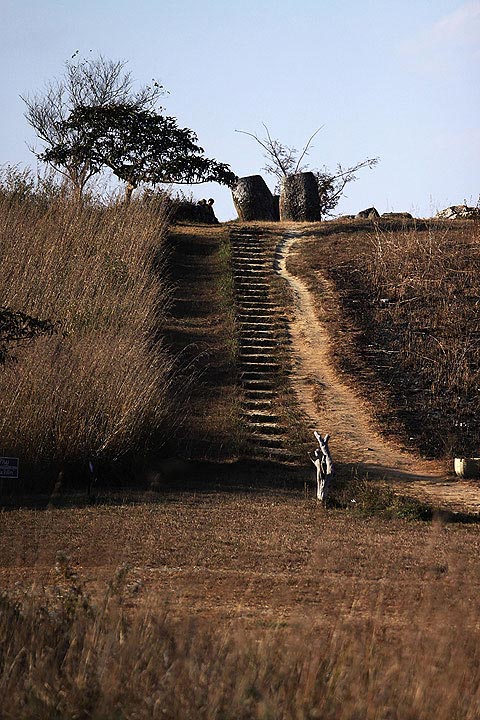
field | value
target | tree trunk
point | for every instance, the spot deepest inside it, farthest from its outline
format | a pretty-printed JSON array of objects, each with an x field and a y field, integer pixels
[
  {"x": 324, "y": 465},
  {"x": 129, "y": 188},
  {"x": 252, "y": 199},
  {"x": 299, "y": 199}
]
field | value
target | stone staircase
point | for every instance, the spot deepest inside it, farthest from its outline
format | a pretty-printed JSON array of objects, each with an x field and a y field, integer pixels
[{"x": 261, "y": 331}]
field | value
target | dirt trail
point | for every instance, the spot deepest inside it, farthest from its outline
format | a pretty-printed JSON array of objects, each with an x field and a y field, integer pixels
[{"x": 344, "y": 415}]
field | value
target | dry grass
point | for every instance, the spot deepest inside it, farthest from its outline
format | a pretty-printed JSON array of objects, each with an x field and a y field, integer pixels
[
  {"x": 251, "y": 605},
  {"x": 97, "y": 388},
  {"x": 201, "y": 330},
  {"x": 237, "y": 606},
  {"x": 427, "y": 283},
  {"x": 409, "y": 308}
]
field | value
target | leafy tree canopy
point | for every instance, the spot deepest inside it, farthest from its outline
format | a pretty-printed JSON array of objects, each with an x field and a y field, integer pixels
[
  {"x": 91, "y": 82},
  {"x": 137, "y": 145},
  {"x": 92, "y": 118}
]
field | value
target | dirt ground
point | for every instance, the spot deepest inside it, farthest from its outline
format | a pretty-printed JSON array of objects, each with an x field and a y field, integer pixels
[{"x": 268, "y": 557}]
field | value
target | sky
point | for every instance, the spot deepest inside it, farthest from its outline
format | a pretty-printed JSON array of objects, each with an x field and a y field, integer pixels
[{"x": 394, "y": 79}]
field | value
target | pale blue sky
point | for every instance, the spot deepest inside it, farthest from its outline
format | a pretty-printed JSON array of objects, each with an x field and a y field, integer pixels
[{"x": 397, "y": 79}]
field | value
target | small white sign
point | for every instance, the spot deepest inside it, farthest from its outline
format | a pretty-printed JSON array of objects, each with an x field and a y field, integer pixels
[{"x": 8, "y": 467}]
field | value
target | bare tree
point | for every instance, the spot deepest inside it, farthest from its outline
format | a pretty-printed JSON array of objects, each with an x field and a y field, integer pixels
[
  {"x": 93, "y": 82},
  {"x": 332, "y": 185},
  {"x": 283, "y": 161}
]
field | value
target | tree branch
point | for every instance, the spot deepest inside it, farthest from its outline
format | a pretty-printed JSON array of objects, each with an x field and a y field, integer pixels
[{"x": 305, "y": 149}]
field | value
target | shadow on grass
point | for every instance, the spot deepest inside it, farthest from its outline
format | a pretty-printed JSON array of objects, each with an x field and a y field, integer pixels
[
  {"x": 173, "y": 477},
  {"x": 369, "y": 495},
  {"x": 358, "y": 495}
]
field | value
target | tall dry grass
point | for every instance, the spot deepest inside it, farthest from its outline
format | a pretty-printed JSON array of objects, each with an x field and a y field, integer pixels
[
  {"x": 426, "y": 288},
  {"x": 62, "y": 656},
  {"x": 99, "y": 386}
]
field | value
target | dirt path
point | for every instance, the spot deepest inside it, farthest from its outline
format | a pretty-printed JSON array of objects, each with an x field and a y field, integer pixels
[{"x": 346, "y": 417}]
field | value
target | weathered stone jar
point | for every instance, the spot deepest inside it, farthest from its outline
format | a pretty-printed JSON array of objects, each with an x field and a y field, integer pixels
[
  {"x": 299, "y": 199},
  {"x": 253, "y": 199}
]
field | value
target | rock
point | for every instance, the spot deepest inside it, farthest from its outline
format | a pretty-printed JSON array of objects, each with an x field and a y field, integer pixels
[
  {"x": 201, "y": 212},
  {"x": 299, "y": 200},
  {"x": 369, "y": 213},
  {"x": 467, "y": 467},
  {"x": 397, "y": 216},
  {"x": 252, "y": 199},
  {"x": 459, "y": 212},
  {"x": 276, "y": 206}
]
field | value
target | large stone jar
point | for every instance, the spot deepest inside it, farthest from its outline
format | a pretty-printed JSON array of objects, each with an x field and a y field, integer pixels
[
  {"x": 299, "y": 199},
  {"x": 252, "y": 199}
]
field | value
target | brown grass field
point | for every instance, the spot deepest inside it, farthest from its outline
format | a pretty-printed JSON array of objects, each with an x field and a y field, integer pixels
[
  {"x": 99, "y": 387},
  {"x": 228, "y": 592},
  {"x": 408, "y": 319},
  {"x": 249, "y": 605}
]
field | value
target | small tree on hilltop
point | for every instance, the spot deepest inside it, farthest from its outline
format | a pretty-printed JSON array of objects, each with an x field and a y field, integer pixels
[
  {"x": 284, "y": 161},
  {"x": 94, "y": 82},
  {"x": 137, "y": 145}
]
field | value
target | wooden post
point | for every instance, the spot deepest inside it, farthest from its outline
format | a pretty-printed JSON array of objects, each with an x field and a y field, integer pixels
[{"x": 324, "y": 465}]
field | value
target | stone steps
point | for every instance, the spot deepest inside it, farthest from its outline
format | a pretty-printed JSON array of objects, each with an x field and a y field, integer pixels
[
  {"x": 258, "y": 324},
  {"x": 264, "y": 361},
  {"x": 260, "y": 305},
  {"x": 266, "y": 365},
  {"x": 266, "y": 441},
  {"x": 261, "y": 417},
  {"x": 265, "y": 394}
]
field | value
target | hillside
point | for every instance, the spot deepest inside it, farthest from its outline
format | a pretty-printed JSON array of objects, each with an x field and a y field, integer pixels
[
  {"x": 215, "y": 586},
  {"x": 320, "y": 340}
]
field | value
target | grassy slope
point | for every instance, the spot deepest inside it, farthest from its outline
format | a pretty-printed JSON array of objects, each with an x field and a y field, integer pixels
[
  {"x": 201, "y": 333},
  {"x": 310, "y": 613},
  {"x": 99, "y": 388},
  {"x": 416, "y": 355},
  {"x": 202, "y": 329}
]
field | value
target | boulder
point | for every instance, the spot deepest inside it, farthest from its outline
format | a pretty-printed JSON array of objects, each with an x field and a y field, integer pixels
[
  {"x": 397, "y": 216},
  {"x": 252, "y": 199},
  {"x": 459, "y": 212},
  {"x": 276, "y": 207},
  {"x": 370, "y": 213},
  {"x": 299, "y": 200},
  {"x": 201, "y": 212}
]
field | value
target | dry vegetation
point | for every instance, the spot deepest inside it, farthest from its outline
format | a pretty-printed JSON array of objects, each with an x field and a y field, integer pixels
[
  {"x": 237, "y": 606},
  {"x": 427, "y": 295},
  {"x": 98, "y": 387},
  {"x": 201, "y": 331},
  {"x": 409, "y": 307},
  {"x": 234, "y": 604}
]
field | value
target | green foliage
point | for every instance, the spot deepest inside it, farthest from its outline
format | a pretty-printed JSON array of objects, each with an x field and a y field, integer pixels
[
  {"x": 367, "y": 498},
  {"x": 16, "y": 326},
  {"x": 93, "y": 82},
  {"x": 92, "y": 119},
  {"x": 137, "y": 145}
]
